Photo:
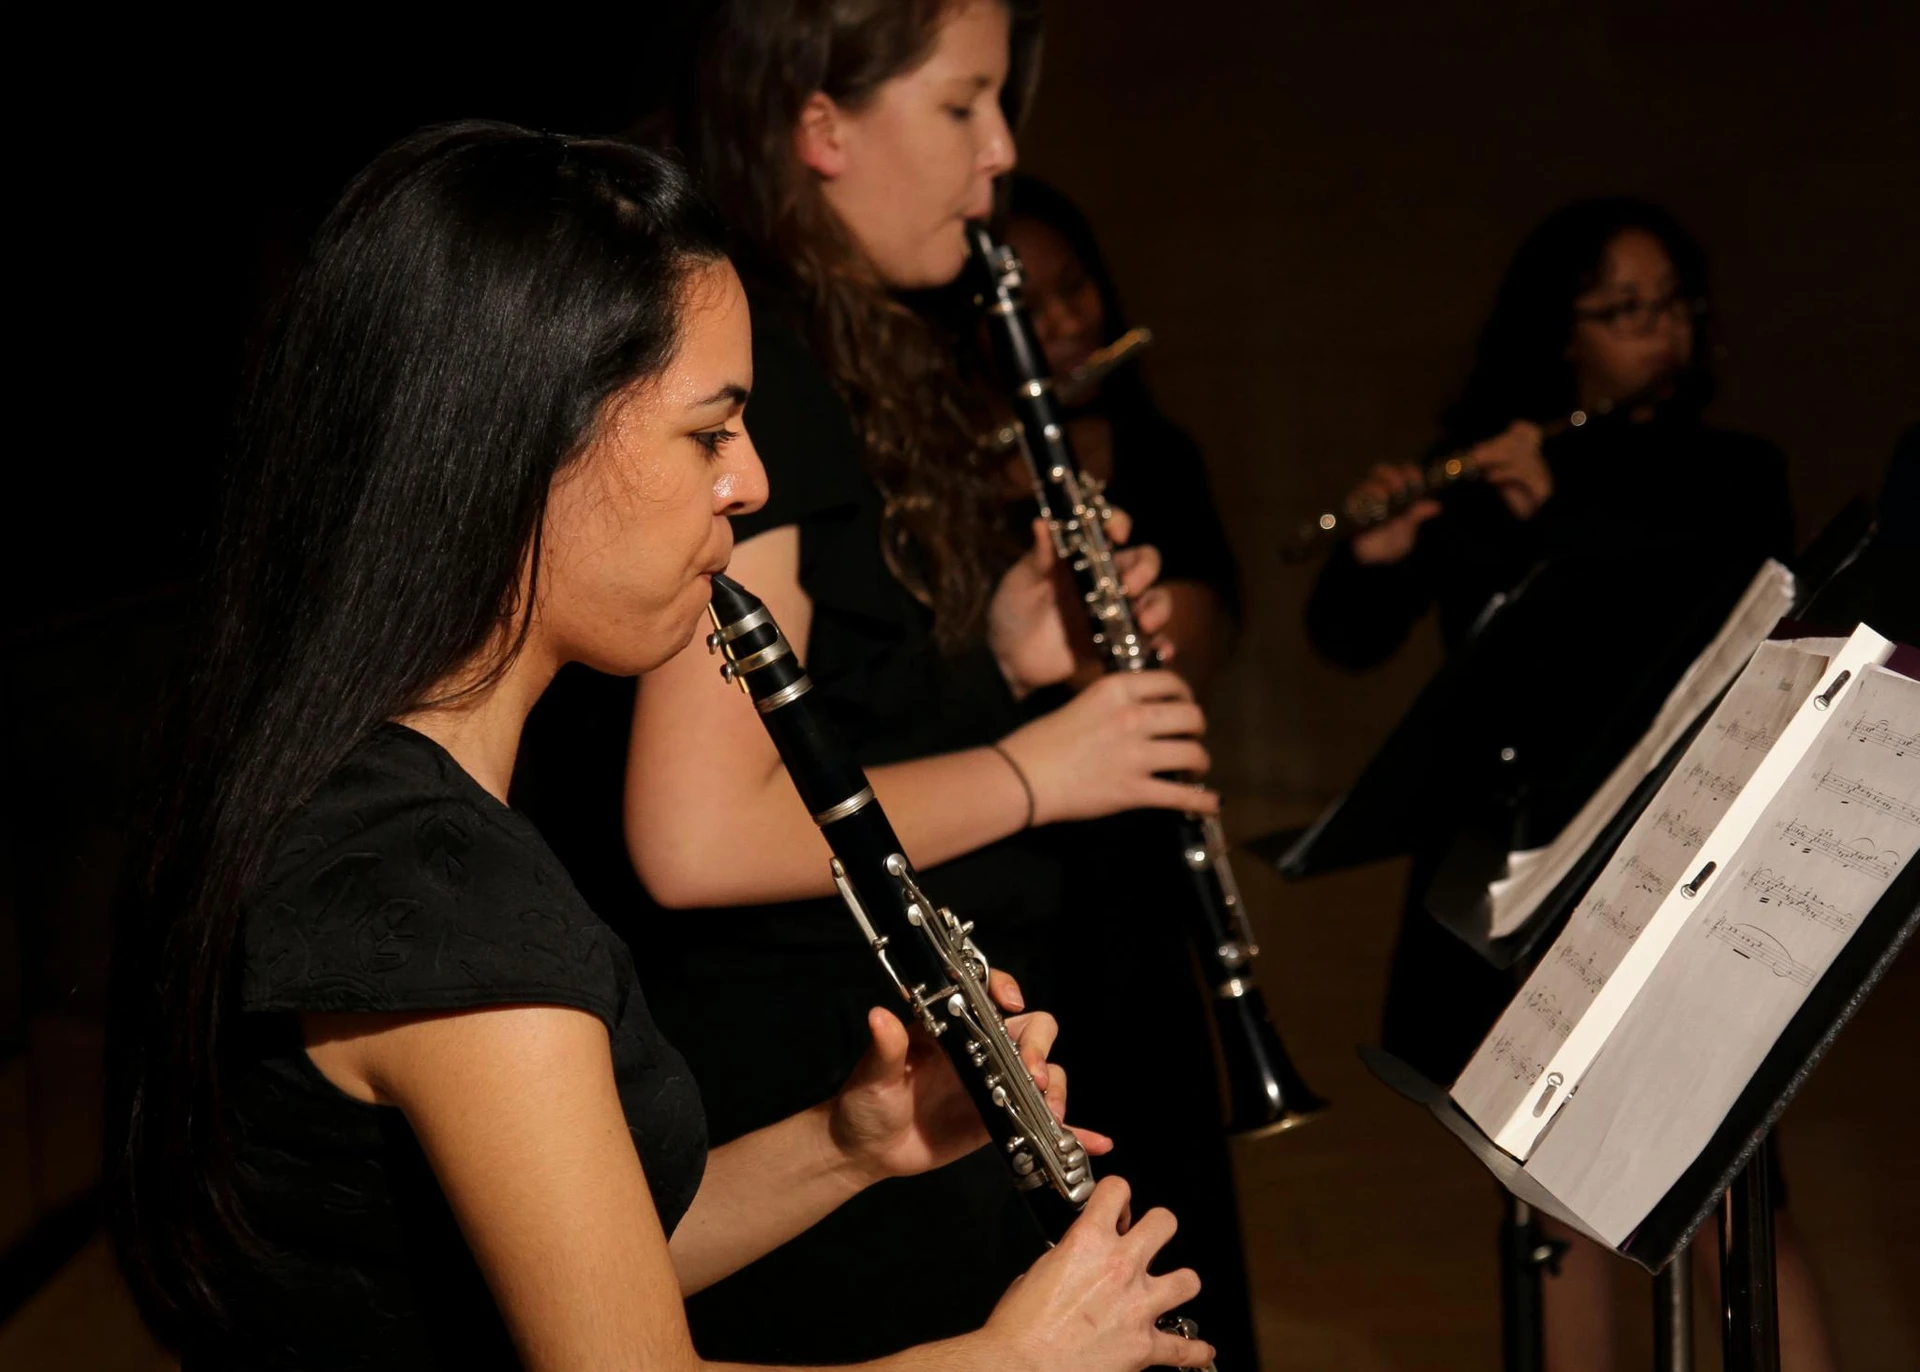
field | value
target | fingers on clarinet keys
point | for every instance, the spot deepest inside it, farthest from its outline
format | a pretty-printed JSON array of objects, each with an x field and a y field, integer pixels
[
  {"x": 1092, "y": 1302},
  {"x": 1109, "y": 748}
]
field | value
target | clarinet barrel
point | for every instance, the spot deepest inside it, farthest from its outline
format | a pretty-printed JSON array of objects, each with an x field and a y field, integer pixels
[{"x": 1265, "y": 1093}]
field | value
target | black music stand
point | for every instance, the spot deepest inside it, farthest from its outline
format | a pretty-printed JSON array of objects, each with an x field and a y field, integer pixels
[
  {"x": 1729, "y": 1177},
  {"x": 1836, "y": 572}
]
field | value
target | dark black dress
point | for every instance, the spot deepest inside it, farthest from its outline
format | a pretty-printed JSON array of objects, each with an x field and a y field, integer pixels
[
  {"x": 1656, "y": 522},
  {"x": 404, "y": 886}
]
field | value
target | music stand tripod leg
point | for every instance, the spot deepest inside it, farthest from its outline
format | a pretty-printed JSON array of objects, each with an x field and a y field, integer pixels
[
  {"x": 1750, "y": 1336},
  {"x": 1673, "y": 1315},
  {"x": 1524, "y": 1252}
]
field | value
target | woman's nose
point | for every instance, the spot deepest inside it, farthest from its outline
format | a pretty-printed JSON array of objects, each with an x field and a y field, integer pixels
[
  {"x": 742, "y": 487},
  {"x": 998, "y": 156}
]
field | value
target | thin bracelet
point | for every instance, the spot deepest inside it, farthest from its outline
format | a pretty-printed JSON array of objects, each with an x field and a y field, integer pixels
[{"x": 1025, "y": 785}]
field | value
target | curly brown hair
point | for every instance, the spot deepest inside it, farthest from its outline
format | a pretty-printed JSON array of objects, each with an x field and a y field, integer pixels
[{"x": 920, "y": 422}]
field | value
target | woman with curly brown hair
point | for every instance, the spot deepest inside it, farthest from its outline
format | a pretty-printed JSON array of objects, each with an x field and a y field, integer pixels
[{"x": 846, "y": 144}]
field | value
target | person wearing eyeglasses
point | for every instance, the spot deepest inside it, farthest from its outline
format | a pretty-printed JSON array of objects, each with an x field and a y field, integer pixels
[
  {"x": 1644, "y": 514},
  {"x": 1603, "y": 309}
]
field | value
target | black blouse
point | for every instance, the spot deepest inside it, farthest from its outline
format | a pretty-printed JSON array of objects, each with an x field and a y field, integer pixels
[{"x": 402, "y": 886}]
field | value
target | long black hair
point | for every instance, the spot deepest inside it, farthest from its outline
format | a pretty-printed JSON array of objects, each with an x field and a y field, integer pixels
[
  {"x": 465, "y": 313},
  {"x": 1520, "y": 368}
]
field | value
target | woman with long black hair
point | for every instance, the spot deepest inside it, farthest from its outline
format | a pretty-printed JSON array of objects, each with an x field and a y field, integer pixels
[
  {"x": 1648, "y": 511},
  {"x": 846, "y": 144},
  {"x": 387, "y": 1092}
]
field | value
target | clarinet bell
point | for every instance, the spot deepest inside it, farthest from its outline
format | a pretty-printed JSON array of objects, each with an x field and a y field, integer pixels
[{"x": 1265, "y": 1094}]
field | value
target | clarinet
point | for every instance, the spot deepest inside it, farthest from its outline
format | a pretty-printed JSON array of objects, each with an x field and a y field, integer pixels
[
  {"x": 1266, "y": 1094},
  {"x": 925, "y": 951}
]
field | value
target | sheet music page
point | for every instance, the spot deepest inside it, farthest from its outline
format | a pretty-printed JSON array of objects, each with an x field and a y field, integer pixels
[
  {"x": 1825, "y": 850},
  {"x": 1532, "y": 875},
  {"x": 1653, "y": 858}
]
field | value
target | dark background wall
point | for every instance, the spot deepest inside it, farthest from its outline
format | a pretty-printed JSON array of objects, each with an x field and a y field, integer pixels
[{"x": 1310, "y": 204}]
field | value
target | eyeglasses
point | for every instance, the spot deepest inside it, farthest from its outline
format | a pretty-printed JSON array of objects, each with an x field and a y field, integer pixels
[{"x": 1639, "y": 318}]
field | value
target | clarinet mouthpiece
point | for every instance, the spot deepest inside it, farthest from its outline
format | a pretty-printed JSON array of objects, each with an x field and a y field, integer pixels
[{"x": 730, "y": 600}]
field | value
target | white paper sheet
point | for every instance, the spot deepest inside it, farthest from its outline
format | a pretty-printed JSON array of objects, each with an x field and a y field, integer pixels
[
  {"x": 1567, "y": 1063},
  {"x": 1532, "y": 875},
  {"x": 1824, "y": 851},
  {"x": 1652, "y": 859}
]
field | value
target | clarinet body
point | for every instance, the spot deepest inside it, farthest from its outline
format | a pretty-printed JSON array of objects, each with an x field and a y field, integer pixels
[
  {"x": 1266, "y": 1094},
  {"x": 928, "y": 954}
]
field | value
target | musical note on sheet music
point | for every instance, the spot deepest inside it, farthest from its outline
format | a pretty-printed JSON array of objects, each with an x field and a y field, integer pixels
[
  {"x": 1860, "y": 853},
  {"x": 1755, "y": 944},
  {"x": 1776, "y": 891},
  {"x": 1882, "y": 733},
  {"x": 1614, "y": 919},
  {"x": 1515, "y": 1060},
  {"x": 1640, "y": 876},
  {"x": 1705, "y": 779},
  {"x": 1546, "y": 1007},
  {"x": 1675, "y": 825},
  {"x": 1747, "y": 737},
  {"x": 1582, "y": 965},
  {"x": 1852, "y": 791}
]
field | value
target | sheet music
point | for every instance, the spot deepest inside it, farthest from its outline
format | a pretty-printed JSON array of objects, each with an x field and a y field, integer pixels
[
  {"x": 1655, "y": 856},
  {"x": 1532, "y": 875},
  {"x": 1824, "y": 851}
]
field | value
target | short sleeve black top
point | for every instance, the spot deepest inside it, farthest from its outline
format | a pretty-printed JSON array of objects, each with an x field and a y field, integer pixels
[{"x": 402, "y": 885}]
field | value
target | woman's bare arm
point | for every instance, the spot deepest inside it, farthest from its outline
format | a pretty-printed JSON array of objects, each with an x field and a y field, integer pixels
[
  {"x": 712, "y": 818},
  {"x": 516, "y": 1110}
]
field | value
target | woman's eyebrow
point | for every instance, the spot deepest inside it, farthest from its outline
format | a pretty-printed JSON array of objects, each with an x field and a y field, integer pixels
[{"x": 733, "y": 393}]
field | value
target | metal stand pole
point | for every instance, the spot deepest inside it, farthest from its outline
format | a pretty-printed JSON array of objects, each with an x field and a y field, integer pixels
[
  {"x": 1750, "y": 1338},
  {"x": 1673, "y": 1315},
  {"x": 1524, "y": 1251}
]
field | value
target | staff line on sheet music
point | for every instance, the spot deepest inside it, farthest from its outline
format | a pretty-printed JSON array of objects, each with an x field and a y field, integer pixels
[
  {"x": 1775, "y": 890},
  {"x": 1882, "y": 733},
  {"x": 1755, "y": 944},
  {"x": 1675, "y": 825},
  {"x": 1704, "y": 778},
  {"x": 1883, "y": 863},
  {"x": 1851, "y": 790}
]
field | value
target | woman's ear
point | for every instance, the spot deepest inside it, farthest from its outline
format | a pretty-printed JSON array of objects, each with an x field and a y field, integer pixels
[{"x": 819, "y": 138}]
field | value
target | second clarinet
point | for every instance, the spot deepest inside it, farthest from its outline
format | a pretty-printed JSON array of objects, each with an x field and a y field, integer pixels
[{"x": 1266, "y": 1094}]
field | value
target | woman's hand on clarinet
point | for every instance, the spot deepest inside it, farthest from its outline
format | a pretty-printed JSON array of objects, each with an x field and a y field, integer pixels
[
  {"x": 1036, "y": 624},
  {"x": 1108, "y": 749},
  {"x": 1090, "y": 1305},
  {"x": 1515, "y": 467},
  {"x": 904, "y": 1111},
  {"x": 1389, "y": 483}
]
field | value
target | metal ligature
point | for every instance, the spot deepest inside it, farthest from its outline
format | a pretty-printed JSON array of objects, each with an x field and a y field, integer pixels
[
  {"x": 1265, "y": 1093},
  {"x": 1357, "y": 514},
  {"x": 926, "y": 952}
]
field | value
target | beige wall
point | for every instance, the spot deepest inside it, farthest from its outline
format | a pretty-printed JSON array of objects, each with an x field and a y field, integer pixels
[{"x": 1311, "y": 204}]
